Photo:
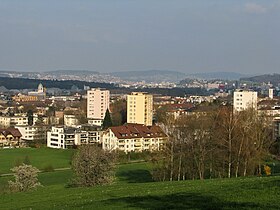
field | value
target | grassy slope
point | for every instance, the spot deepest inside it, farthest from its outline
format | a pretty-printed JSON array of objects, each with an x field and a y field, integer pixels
[
  {"x": 39, "y": 158},
  {"x": 250, "y": 193},
  {"x": 134, "y": 189}
]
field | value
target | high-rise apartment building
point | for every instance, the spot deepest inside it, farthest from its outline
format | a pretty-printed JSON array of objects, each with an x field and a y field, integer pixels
[
  {"x": 270, "y": 93},
  {"x": 97, "y": 103},
  {"x": 140, "y": 108},
  {"x": 244, "y": 99}
]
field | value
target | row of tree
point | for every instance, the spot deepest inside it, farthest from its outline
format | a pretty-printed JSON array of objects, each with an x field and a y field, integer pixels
[{"x": 214, "y": 144}]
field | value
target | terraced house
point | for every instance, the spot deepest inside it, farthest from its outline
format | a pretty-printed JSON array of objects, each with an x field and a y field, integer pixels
[
  {"x": 134, "y": 137},
  {"x": 10, "y": 137}
]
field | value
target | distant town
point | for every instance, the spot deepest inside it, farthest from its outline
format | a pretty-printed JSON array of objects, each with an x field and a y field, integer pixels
[{"x": 123, "y": 117}]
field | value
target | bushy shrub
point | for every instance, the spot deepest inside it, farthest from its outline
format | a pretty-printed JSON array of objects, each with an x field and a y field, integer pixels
[{"x": 48, "y": 168}]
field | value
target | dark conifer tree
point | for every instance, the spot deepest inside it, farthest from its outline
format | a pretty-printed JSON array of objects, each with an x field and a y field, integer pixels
[{"x": 107, "y": 122}]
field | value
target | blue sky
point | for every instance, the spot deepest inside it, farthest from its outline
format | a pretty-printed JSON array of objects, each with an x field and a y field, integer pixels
[{"x": 121, "y": 35}]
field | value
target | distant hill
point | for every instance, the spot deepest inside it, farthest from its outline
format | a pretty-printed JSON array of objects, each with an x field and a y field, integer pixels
[
  {"x": 272, "y": 78},
  {"x": 71, "y": 72},
  {"x": 218, "y": 75},
  {"x": 23, "y": 83},
  {"x": 81, "y": 75},
  {"x": 150, "y": 75}
]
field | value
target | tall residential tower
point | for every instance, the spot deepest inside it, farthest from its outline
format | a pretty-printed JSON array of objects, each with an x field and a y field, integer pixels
[
  {"x": 140, "y": 108},
  {"x": 97, "y": 103}
]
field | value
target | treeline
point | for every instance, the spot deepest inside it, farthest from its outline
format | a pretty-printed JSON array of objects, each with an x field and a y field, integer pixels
[
  {"x": 22, "y": 83},
  {"x": 210, "y": 145}
]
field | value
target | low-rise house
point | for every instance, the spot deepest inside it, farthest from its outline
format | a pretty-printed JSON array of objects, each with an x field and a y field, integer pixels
[
  {"x": 10, "y": 137},
  {"x": 134, "y": 137}
]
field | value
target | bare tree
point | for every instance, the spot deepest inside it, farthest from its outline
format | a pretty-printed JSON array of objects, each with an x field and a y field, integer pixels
[{"x": 219, "y": 143}]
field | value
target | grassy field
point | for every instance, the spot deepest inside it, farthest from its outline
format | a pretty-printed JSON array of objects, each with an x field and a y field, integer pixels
[
  {"x": 39, "y": 158},
  {"x": 134, "y": 189},
  {"x": 249, "y": 193}
]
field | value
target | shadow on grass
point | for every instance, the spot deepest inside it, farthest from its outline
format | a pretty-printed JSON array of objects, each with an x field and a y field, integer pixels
[
  {"x": 180, "y": 201},
  {"x": 135, "y": 176},
  {"x": 274, "y": 183}
]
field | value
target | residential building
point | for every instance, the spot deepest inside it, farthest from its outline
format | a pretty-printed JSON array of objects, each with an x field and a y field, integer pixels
[
  {"x": 134, "y": 137},
  {"x": 7, "y": 121},
  {"x": 98, "y": 101},
  {"x": 270, "y": 93},
  {"x": 32, "y": 133},
  {"x": 94, "y": 133},
  {"x": 10, "y": 137},
  {"x": 140, "y": 108},
  {"x": 244, "y": 99},
  {"x": 70, "y": 121},
  {"x": 40, "y": 119},
  {"x": 60, "y": 137},
  {"x": 97, "y": 122},
  {"x": 24, "y": 98}
]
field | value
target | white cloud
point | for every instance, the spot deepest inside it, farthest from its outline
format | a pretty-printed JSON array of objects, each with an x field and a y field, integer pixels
[{"x": 255, "y": 8}]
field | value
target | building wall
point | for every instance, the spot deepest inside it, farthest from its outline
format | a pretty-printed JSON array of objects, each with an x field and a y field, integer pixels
[
  {"x": 59, "y": 138},
  {"x": 97, "y": 122},
  {"x": 6, "y": 121},
  {"x": 28, "y": 132},
  {"x": 244, "y": 99},
  {"x": 55, "y": 138},
  {"x": 25, "y": 98},
  {"x": 97, "y": 103},
  {"x": 10, "y": 141},
  {"x": 140, "y": 108},
  {"x": 70, "y": 120},
  {"x": 111, "y": 142}
]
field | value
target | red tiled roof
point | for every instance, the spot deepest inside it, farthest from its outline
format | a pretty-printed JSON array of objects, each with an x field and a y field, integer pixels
[
  {"x": 11, "y": 131},
  {"x": 129, "y": 131}
]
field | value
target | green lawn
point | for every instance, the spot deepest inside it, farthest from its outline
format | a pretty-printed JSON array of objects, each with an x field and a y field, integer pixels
[
  {"x": 39, "y": 158},
  {"x": 134, "y": 189},
  {"x": 249, "y": 193}
]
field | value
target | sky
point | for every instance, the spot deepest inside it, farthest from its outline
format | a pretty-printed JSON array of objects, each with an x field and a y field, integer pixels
[{"x": 130, "y": 35}]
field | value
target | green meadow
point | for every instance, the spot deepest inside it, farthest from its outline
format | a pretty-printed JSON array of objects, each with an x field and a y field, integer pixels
[
  {"x": 135, "y": 189},
  {"x": 40, "y": 158}
]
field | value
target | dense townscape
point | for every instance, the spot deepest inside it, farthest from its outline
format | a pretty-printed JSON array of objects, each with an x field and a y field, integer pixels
[
  {"x": 151, "y": 104},
  {"x": 77, "y": 117}
]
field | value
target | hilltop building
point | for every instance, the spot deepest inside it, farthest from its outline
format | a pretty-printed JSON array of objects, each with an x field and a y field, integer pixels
[{"x": 40, "y": 93}]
